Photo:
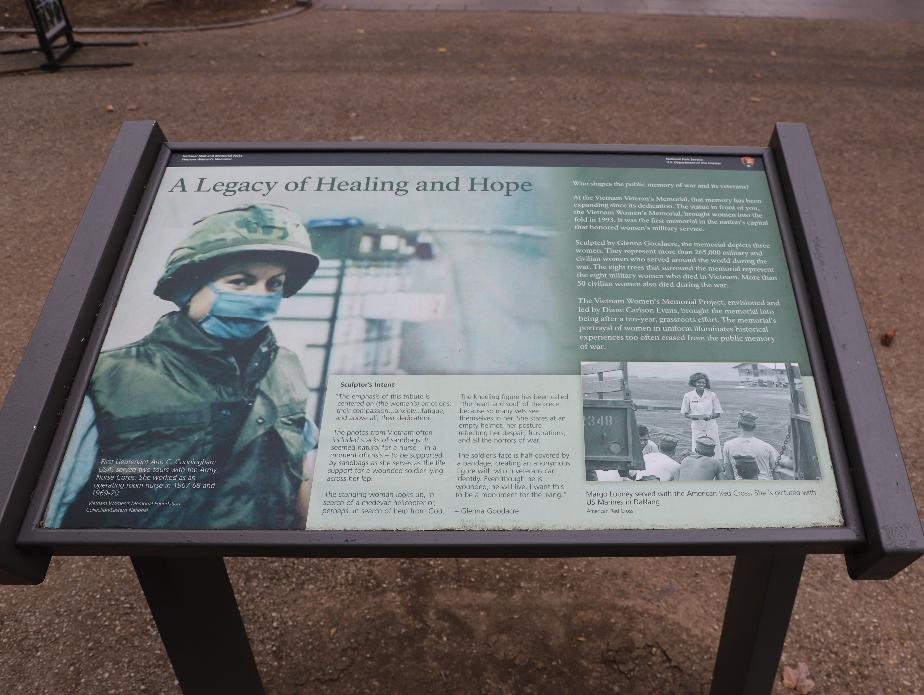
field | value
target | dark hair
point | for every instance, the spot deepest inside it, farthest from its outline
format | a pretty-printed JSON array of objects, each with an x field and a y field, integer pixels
[
  {"x": 747, "y": 469},
  {"x": 667, "y": 446},
  {"x": 642, "y": 431},
  {"x": 746, "y": 426},
  {"x": 696, "y": 377}
]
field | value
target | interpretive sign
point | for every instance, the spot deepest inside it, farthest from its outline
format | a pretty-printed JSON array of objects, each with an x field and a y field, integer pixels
[
  {"x": 458, "y": 350},
  {"x": 419, "y": 347},
  {"x": 49, "y": 17},
  {"x": 56, "y": 39}
]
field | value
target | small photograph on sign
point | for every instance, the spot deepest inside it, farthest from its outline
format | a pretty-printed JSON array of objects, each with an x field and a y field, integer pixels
[{"x": 687, "y": 421}]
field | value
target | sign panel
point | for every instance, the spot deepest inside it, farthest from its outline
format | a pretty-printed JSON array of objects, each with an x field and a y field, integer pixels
[
  {"x": 453, "y": 347},
  {"x": 49, "y": 17}
]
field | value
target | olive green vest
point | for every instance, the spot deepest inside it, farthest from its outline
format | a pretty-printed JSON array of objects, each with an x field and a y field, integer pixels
[{"x": 178, "y": 403}]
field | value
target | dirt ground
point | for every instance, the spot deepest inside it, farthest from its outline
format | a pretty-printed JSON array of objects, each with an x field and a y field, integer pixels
[
  {"x": 149, "y": 13},
  {"x": 480, "y": 625}
]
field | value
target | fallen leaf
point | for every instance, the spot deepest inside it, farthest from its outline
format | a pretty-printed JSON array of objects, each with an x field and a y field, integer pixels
[
  {"x": 701, "y": 44},
  {"x": 887, "y": 337},
  {"x": 581, "y": 638},
  {"x": 710, "y": 71},
  {"x": 360, "y": 31},
  {"x": 110, "y": 108},
  {"x": 352, "y": 114},
  {"x": 357, "y": 138},
  {"x": 798, "y": 679},
  {"x": 442, "y": 49},
  {"x": 333, "y": 631},
  {"x": 757, "y": 73},
  {"x": 773, "y": 53},
  {"x": 754, "y": 99},
  {"x": 131, "y": 107}
]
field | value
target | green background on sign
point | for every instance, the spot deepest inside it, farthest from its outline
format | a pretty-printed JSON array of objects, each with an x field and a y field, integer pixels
[{"x": 789, "y": 344}]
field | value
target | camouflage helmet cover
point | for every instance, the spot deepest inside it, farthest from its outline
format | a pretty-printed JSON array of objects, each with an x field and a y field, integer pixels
[{"x": 253, "y": 228}]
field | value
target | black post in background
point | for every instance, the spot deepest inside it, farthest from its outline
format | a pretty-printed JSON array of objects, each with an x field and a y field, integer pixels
[
  {"x": 197, "y": 616},
  {"x": 760, "y": 602},
  {"x": 51, "y": 24}
]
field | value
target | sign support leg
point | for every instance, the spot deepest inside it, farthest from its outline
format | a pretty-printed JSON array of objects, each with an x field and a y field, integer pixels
[
  {"x": 193, "y": 604},
  {"x": 760, "y": 602}
]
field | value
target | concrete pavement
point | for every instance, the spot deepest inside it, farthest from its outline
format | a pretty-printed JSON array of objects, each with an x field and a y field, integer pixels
[
  {"x": 484, "y": 626},
  {"x": 883, "y": 10}
]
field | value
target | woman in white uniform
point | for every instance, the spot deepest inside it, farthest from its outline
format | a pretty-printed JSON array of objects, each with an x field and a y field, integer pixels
[{"x": 702, "y": 408}]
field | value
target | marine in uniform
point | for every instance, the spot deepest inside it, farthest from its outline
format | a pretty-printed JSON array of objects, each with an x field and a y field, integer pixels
[
  {"x": 660, "y": 464},
  {"x": 701, "y": 464},
  {"x": 644, "y": 437},
  {"x": 207, "y": 397},
  {"x": 750, "y": 457}
]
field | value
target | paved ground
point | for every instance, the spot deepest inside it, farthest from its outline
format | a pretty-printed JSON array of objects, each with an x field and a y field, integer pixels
[
  {"x": 484, "y": 626},
  {"x": 148, "y": 13},
  {"x": 881, "y": 10}
]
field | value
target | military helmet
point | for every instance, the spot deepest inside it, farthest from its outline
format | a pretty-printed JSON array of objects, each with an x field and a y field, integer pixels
[{"x": 262, "y": 228}]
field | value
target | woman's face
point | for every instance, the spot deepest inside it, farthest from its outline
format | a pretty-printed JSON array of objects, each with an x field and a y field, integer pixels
[
  {"x": 699, "y": 384},
  {"x": 249, "y": 277}
]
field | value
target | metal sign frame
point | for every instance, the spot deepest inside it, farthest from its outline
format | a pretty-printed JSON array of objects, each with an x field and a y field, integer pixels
[
  {"x": 881, "y": 532},
  {"x": 182, "y": 573},
  {"x": 40, "y": 11}
]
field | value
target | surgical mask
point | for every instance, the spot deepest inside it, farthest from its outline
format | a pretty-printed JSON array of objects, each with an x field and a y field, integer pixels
[{"x": 239, "y": 315}]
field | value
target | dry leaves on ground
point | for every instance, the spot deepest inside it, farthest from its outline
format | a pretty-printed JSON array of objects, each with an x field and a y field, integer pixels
[{"x": 798, "y": 678}]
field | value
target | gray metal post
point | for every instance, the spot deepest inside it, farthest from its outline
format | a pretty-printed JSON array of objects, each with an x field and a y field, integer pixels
[
  {"x": 760, "y": 602},
  {"x": 193, "y": 604}
]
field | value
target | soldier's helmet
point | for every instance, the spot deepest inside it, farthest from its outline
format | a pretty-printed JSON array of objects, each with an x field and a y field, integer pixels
[{"x": 265, "y": 229}]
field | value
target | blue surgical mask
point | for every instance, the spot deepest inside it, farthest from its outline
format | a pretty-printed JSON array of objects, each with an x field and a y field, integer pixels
[{"x": 239, "y": 315}]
